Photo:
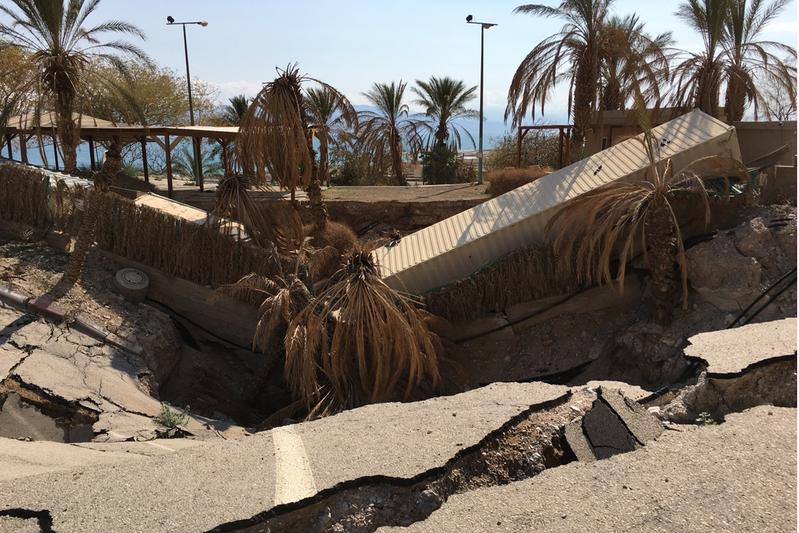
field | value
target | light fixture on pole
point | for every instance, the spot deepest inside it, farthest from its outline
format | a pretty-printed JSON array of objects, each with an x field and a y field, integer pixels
[
  {"x": 483, "y": 27},
  {"x": 170, "y": 21}
]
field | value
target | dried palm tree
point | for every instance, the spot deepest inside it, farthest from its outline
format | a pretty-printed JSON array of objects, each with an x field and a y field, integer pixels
[
  {"x": 359, "y": 341},
  {"x": 385, "y": 131},
  {"x": 444, "y": 101},
  {"x": 632, "y": 60},
  {"x": 62, "y": 48},
  {"x": 331, "y": 119},
  {"x": 572, "y": 55},
  {"x": 276, "y": 136},
  {"x": 751, "y": 63},
  {"x": 610, "y": 221}
]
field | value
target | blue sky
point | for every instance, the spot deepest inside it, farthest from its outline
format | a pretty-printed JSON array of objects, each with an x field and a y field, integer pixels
[{"x": 352, "y": 43}]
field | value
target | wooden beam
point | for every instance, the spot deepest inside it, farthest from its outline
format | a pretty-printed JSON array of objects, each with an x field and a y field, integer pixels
[
  {"x": 145, "y": 166},
  {"x": 10, "y": 149},
  {"x": 560, "y": 148},
  {"x": 168, "y": 153},
  {"x": 92, "y": 162}
]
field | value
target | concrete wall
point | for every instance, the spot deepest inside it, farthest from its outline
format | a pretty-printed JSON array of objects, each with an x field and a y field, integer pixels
[{"x": 760, "y": 138}]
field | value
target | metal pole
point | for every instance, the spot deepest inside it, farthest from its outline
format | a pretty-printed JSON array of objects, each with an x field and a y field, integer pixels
[
  {"x": 480, "y": 149},
  {"x": 195, "y": 147}
]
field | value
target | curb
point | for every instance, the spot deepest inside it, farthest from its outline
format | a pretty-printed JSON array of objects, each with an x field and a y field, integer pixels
[{"x": 49, "y": 310}]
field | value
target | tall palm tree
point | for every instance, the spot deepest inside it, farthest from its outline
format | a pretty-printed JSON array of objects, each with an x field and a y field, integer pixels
[
  {"x": 233, "y": 112},
  {"x": 330, "y": 122},
  {"x": 699, "y": 76},
  {"x": 571, "y": 55},
  {"x": 62, "y": 47},
  {"x": 444, "y": 101},
  {"x": 276, "y": 136},
  {"x": 632, "y": 61},
  {"x": 385, "y": 131},
  {"x": 750, "y": 62}
]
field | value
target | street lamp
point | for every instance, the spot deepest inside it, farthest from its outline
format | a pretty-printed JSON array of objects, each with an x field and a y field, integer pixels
[
  {"x": 170, "y": 21},
  {"x": 483, "y": 27}
]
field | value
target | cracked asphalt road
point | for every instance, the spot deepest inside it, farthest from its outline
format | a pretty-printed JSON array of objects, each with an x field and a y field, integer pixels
[
  {"x": 67, "y": 368},
  {"x": 734, "y": 477}
]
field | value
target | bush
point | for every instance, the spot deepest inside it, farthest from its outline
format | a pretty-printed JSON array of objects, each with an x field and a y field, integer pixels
[
  {"x": 503, "y": 180},
  {"x": 538, "y": 148},
  {"x": 442, "y": 165}
]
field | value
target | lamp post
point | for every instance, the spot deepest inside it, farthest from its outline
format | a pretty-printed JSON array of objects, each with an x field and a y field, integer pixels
[
  {"x": 171, "y": 22},
  {"x": 483, "y": 27}
]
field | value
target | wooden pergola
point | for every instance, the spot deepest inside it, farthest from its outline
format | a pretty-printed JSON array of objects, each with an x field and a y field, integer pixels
[
  {"x": 564, "y": 131},
  {"x": 94, "y": 130}
]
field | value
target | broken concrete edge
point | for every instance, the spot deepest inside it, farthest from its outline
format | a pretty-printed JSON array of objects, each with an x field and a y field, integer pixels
[
  {"x": 56, "y": 314},
  {"x": 732, "y": 375},
  {"x": 285, "y": 508}
]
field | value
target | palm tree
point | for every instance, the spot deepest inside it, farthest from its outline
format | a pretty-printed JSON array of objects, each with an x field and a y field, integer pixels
[
  {"x": 184, "y": 163},
  {"x": 749, "y": 62},
  {"x": 233, "y": 112},
  {"x": 444, "y": 101},
  {"x": 359, "y": 341},
  {"x": 592, "y": 228},
  {"x": 699, "y": 76},
  {"x": 571, "y": 55},
  {"x": 384, "y": 131},
  {"x": 62, "y": 49},
  {"x": 632, "y": 61},
  {"x": 330, "y": 122},
  {"x": 276, "y": 136}
]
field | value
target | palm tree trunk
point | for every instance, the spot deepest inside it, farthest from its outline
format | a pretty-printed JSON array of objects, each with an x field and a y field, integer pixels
[
  {"x": 584, "y": 96},
  {"x": 314, "y": 189},
  {"x": 707, "y": 93},
  {"x": 735, "y": 98},
  {"x": 324, "y": 171},
  {"x": 85, "y": 238},
  {"x": 441, "y": 134},
  {"x": 67, "y": 131},
  {"x": 611, "y": 96},
  {"x": 661, "y": 255},
  {"x": 396, "y": 160}
]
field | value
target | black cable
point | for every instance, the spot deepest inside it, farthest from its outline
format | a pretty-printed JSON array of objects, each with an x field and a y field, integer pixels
[{"x": 762, "y": 295}]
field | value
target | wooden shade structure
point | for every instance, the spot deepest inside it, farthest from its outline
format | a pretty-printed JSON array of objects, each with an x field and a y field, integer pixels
[{"x": 95, "y": 130}]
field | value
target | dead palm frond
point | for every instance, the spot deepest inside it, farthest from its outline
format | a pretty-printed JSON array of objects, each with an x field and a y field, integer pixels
[
  {"x": 608, "y": 223},
  {"x": 279, "y": 300},
  {"x": 359, "y": 341}
]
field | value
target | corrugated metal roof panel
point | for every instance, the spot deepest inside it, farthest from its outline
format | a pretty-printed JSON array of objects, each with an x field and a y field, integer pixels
[{"x": 458, "y": 246}]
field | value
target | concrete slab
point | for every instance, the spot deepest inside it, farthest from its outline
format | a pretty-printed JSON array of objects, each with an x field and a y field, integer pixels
[
  {"x": 729, "y": 352},
  {"x": 733, "y": 477}
]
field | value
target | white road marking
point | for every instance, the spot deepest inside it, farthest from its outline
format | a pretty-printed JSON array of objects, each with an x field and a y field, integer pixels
[{"x": 293, "y": 477}]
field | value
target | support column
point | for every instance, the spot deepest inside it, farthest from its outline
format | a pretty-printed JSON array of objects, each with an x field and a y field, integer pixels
[
  {"x": 560, "y": 148},
  {"x": 23, "y": 147},
  {"x": 145, "y": 166},
  {"x": 198, "y": 156},
  {"x": 519, "y": 148},
  {"x": 168, "y": 153},
  {"x": 55, "y": 151},
  {"x": 10, "y": 148},
  {"x": 92, "y": 162}
]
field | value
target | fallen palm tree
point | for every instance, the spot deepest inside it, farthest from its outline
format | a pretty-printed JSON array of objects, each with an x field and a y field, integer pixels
[{"x": 358, "y": 342}]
